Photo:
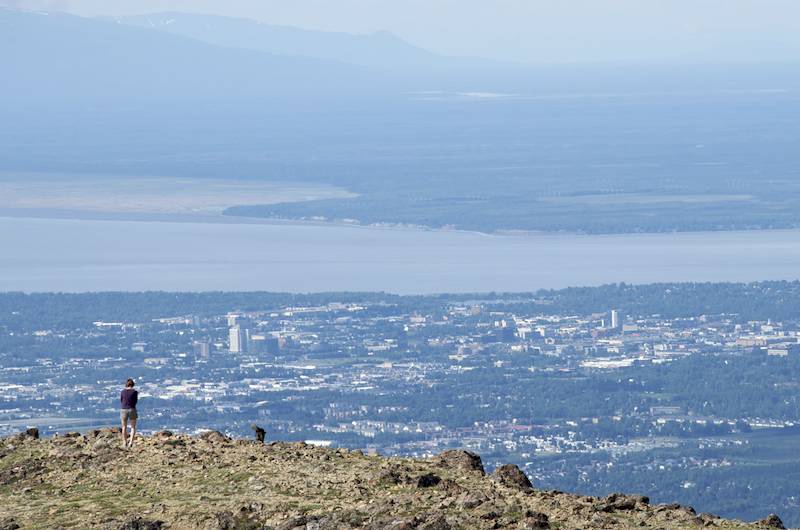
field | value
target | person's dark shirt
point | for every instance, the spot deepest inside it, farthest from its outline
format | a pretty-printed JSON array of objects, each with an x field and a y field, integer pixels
[{"x": 128, "y": 398}]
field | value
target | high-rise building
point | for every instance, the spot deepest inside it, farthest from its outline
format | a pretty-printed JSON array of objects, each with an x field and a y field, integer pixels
[
  {"x": 615, "y": 323},
  {"x": 237, "y": 339}
]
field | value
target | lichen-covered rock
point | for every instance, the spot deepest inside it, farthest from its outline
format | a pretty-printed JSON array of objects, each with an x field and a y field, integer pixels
[
  {"x": 397, "y": 524},
  {"x": 9, "y": 523},
  {"x": 138, "y": 523},
  {"x": 294, "y": 523},
  {"x": 428, "y": 480},
  {"x": 459, "y": 459},
  {"x": 214, "y": 437},
  {"x": 391, "y": 477},
  {"x": 535, "y": 521},
  {"x": 434, "y": 522},
  {"x": 259, "y": 432},
  {"x": 620, "y": 501},
  {"x": 469, "y": 501},
  {"x": 32, "y": 434},
  {"x": 512, "y": 476},
  {"x": 772, "y": 521}
]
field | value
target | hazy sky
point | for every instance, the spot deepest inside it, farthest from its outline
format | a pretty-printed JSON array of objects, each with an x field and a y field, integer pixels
[{"x": 524, "y": 30}]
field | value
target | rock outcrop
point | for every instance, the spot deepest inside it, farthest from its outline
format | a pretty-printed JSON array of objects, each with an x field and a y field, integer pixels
[
  {"x": 511, "y": 476},
  {"x": 137, "y": 523},
  {"x": 215, "y": 437},
  {"x": 772, "y": 521},
  {"x": 211, "y": 482},
  {"x": 259, "y": 432},
  {"x": 463, "y": 460},
  {"x": 8, "y": 523}
]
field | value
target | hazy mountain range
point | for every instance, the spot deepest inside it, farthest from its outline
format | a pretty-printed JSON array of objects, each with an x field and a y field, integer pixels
[
  {"x": 57, "y": 56},
  {"x": 381, "y": 50},
  {"x": 52, "y": 57}
]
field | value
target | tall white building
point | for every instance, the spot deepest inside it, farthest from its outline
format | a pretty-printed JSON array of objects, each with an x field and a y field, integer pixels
[
  {"x": 615, "y": 323},
  {"x": 236, "y": 339}
]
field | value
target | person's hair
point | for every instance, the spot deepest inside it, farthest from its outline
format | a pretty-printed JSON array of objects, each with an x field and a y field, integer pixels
[{"x": 129, "y": 383}]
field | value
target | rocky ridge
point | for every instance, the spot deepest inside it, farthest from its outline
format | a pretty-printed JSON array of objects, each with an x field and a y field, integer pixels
[{"x": 169, "y": 481}]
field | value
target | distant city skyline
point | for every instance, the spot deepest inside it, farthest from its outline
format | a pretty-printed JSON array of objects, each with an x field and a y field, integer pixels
[{"x": 533, "y": 31}]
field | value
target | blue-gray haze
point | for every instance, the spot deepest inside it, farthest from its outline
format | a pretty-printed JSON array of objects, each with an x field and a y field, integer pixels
[{"x": 522, "y": 30}]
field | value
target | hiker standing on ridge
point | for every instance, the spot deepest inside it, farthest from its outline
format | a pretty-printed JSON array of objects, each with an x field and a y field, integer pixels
[{"x": 127, "y": 399}]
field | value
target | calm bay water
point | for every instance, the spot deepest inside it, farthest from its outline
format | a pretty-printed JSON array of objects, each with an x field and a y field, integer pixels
[{"x": 93, "y": 255}]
